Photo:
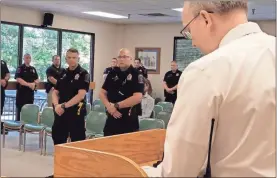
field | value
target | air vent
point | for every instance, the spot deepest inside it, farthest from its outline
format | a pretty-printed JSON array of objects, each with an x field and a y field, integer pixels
[{"x": 154, "y": 15}]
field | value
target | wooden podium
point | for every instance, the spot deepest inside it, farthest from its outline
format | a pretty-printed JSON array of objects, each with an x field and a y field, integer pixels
[{"x": 115, "y": 156}]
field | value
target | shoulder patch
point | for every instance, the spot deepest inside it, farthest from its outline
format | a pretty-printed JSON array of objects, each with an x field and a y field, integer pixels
[
  {"x": 87, "y": 78},
  {"x": 18, "y": 70},
  {"x": 140, "y": 79}
]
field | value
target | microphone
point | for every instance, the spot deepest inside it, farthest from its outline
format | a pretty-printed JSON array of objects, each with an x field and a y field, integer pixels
[{"x": 208, "y": 173}]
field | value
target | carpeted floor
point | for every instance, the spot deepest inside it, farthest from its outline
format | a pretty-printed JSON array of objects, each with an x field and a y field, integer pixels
[{"x": 15, "y": 163}]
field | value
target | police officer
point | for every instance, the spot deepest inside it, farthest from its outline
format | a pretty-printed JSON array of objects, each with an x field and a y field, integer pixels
[
  {"x": 138, "y": 65},
  {"x": 27, "y": 81},
  {"x": 69, "y": 101},
  {"x": 120, "y": 93},
  {"x": 170, "y": 83},
  {"x": 53, "y": 73},
  {"x": 109, "y": 69},
  {"x": 5, "y": 76}
]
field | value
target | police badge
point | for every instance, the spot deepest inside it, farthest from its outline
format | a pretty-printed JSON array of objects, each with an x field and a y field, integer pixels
[
  {"x": 76, "y": 76},
  {"x": 129, "y": 77}
]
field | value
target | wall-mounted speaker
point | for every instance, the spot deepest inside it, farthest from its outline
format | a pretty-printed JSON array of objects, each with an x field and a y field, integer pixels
[{"x": 48, "y": 19}]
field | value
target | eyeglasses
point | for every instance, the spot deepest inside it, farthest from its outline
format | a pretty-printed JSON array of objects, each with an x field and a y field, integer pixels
[
  {"x": 123, "y": 57},
  {"x": 186, "y": 34}
]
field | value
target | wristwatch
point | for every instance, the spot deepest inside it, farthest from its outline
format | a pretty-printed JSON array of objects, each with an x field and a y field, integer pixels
[
  {"x": 116, "y": 105},
  {"x": 63, "y": 106}
]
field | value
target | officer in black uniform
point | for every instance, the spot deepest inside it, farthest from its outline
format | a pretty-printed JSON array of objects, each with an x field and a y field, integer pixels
[
  {"x": 109, "y": 69},
  {"x": 120, "y": 93},
  {"x": 69, "y": 101},
  {"x": 53, "y": 73},
  {"x": 27, "y": 81},
  {"x": 142, "y": 70},
  {"x": 5, "y": 76},
  {"x": 171, "y": 80}
]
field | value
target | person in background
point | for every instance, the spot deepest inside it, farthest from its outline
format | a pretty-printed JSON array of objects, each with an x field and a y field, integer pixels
[
  {"x": 234, "y": 84},
  {"x": 138, "y": 65},
  {"x": 170, "y": 83},
  {"x": 147, "y": 103},
  {"x": 27, "y": 80},
  {"x": 5, "y": 76},
  {"x": 69, "y": 101},
  {"x": 121, "y": 93},
  {"x": 53, "y": 73},
  {"x": 109, "y": 69}
]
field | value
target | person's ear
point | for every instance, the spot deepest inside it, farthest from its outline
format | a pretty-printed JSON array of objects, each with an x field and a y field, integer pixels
[{"x": 206, "y": 17}]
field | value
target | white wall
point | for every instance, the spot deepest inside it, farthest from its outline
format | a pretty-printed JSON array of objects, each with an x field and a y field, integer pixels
[
  {"x": 109, "y": 38},
  {"x": 162, "y": 35},
  {"x": 106, "y": 36}
]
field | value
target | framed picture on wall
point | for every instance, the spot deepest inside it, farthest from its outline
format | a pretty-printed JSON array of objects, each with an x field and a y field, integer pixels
[{"x": 150, "y": 58}]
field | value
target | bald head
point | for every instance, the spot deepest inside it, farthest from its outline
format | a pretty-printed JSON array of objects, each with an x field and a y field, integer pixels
[
  {"x": 207, "y": 22},
  {"x": 124, "y": 59}
]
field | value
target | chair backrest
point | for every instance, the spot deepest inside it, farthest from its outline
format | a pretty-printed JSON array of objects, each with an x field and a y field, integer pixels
[
  {"x": 148, "y": 124},
  {"x": 167, "y": 106},
  {"x": 165, "y": 116},
  {"x": 29, "y": 114},
  {"x": 47, "y": 117},
  {"x": 99, "y": 108},
  {"x": 88, "y": 107},
  {"x": 95, "y": 122},
  {"x": 157, "y": 109}
]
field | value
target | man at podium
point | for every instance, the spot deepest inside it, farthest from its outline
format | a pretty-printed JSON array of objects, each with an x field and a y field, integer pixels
[
  {"x": 234, "y": 84},
  {"x": 121, "y": 93}
]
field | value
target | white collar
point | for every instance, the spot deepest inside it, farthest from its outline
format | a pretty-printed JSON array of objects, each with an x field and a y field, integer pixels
[{"x": 240, "y": 31}]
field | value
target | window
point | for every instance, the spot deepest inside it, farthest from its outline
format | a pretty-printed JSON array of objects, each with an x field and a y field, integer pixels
[
  {"x": 184, "y": 52},
  {"x": 82, "y": 42},
  {"x": 9, "y": 46},
  {"x": 42, "y": 44}
]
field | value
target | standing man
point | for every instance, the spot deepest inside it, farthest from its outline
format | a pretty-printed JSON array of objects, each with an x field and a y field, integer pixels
[
  {"x": 109, "y": 69},
  {"x": 120, "y": 93},
  {"x": 5, "y": 76},
  {"x": 234, "y": 84},
  {"x": 27, "y": 81},
  {"x": 170, "y": 83},
  {"x": 53, "y": 73},
  {"x": 69, "y": 101},
  {"x": 138, "y": 65}
]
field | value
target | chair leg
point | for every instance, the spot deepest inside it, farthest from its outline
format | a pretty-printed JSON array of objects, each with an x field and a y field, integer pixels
[
  {"x": 4, "y": 135},
  {"x": 20, "y": 138},
  {"x": 45, "y": 141},
  {"x": 24, "y": 140},
  {"x": 41, "y": 141}
]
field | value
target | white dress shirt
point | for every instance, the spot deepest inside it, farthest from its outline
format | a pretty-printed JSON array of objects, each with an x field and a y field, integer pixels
[
  {"x": 147, "y": 106},
  {"x": 235, "y": 85}
]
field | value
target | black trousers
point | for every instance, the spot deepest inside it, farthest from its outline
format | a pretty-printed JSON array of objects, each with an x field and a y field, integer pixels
[
  {"x": 70, "y": 124},
  {"x": 171, "y": 98},
  {"x": 126, "y": 124}
]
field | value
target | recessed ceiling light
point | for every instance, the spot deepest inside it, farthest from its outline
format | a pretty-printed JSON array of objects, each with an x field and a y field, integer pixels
[
  {"x": 105, "y": 14},
  {"x": 178, "y": 9}
]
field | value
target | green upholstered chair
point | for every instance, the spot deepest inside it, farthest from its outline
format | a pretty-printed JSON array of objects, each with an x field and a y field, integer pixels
[
  {"x": 29, "y": 117},
  {"x": 167, "y": 106},
  {"x": 157, "y": 109},
  {"x": 148, "y": 124},
  {"x": 95, "y": 124},
  {"x": 46, "y": 120},
  {"x": 165, "y": 116}
]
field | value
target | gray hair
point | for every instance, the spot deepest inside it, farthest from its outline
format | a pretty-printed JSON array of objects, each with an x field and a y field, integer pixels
[
  {"x": 27, "y": 54},
  {"x": 220, "y": 7}
]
